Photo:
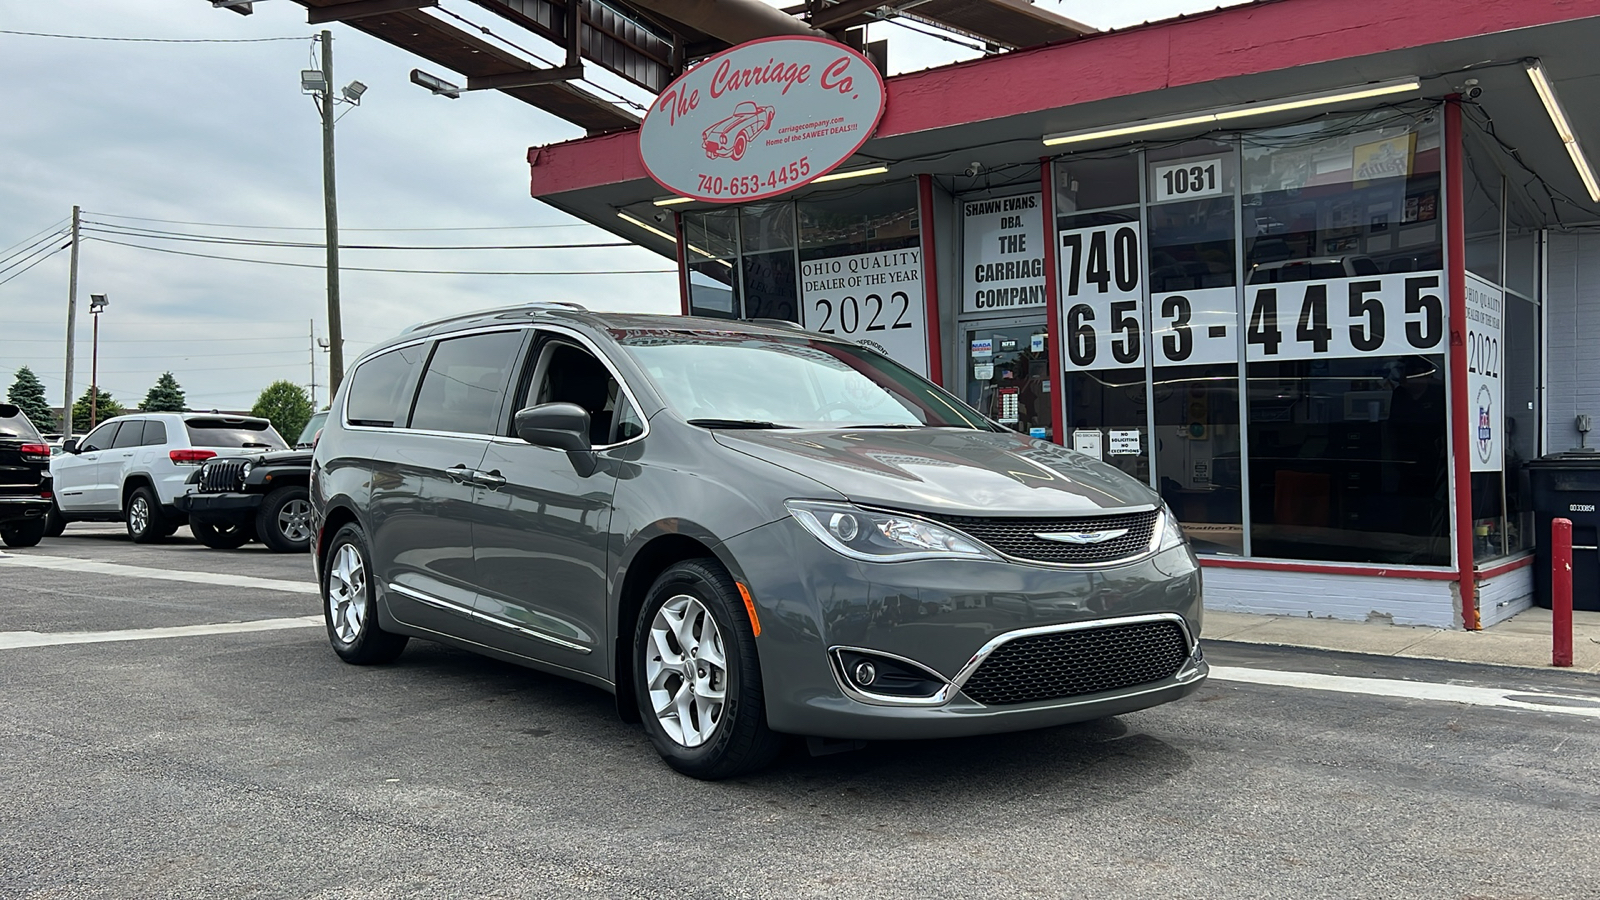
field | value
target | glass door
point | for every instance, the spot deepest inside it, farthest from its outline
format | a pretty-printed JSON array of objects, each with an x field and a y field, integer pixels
[{"x": 1007, "y": 374}]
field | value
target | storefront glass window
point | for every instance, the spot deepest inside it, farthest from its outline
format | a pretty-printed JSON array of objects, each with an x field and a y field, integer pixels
[
  {"x": 1097, "y": 182},
  {"x": 766, "y": 236},
  {"x": 711, "y": 248},
  {"x": 1521, "y": 341},
  {"x": 1194, "y": 339},
  {"x": 1345, "y": 341}
]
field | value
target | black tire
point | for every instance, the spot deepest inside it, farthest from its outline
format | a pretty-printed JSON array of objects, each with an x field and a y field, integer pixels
[
  {"x": 284, "y": 521},
  {"x": 143, "y": 516},
  {"x": 231, "y": 536},
  {"x": 740, "y": 740},
  {"x": 27, "y": 533},
  {"x": 365, "y": 643},
  {"x": 54, "y": 521}
]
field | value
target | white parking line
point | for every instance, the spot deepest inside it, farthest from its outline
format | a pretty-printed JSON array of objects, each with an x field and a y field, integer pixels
[
  {"x": 1505, "y": 698},
  {"x": 12, "y": 640},
  {"x": 71, "y": 564}
]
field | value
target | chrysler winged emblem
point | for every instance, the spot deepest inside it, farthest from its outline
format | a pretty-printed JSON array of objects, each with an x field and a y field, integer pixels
[{"x": 1081, "y": 537}]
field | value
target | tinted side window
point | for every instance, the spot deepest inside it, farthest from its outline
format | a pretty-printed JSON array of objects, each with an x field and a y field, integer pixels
[
  {"x": 570, "y": 374},
  {"x": 101, "y": 438},
  {"x": 155, "y": 434},
  {"x": 129, "y": 435},
  {"x": 465, "y": 383},
  {"x": 380, "y": 388}
]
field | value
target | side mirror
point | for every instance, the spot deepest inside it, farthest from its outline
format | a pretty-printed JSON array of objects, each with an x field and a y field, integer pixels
[
  {"x": 70, "y": 445},
  {"x": 560, "y": 426}
]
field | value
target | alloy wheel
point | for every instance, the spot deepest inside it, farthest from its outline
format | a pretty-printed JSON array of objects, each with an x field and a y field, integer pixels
[
  {"x": 686, "y": 670},
  {"x": 347, "y": 593},
  {"x": 139, "y": 515},
  {"x": 294, "y": 521}
]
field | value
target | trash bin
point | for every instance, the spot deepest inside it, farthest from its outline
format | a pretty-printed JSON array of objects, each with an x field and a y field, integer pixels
[{"x": 1567, "y": 486}]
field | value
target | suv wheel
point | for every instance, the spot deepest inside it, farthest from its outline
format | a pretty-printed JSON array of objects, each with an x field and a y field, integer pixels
[
  {"x": 221, "y": 537},
  {"x": 146, "y": 524},
  {"x": 54, "y": 521},
  {"x": 349, "y": 606},
  {"x": 696, "y": 676},
  {"x": 284, "y": 520},
  {"x": 23, "y": 534}
]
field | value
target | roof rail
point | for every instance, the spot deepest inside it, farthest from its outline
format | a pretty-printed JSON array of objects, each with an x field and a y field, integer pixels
[
  {"x": 778, "y": 323},
  {"x": 484, "y": 313}
]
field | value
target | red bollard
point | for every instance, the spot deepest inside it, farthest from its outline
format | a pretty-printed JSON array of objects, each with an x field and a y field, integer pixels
[{"x": 1561, "y": 592}]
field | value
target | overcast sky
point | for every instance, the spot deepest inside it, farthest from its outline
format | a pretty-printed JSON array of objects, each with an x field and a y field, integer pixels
[{"x": 219, "y": 133}]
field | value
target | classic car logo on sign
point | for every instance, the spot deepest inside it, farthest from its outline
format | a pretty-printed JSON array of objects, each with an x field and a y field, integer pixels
[{"x": 761, "y": 119}]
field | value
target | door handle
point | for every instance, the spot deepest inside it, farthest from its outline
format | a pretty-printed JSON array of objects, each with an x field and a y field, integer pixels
[
  {"x": 460, "y": 474},
  {"x": 492, "y": 480}
]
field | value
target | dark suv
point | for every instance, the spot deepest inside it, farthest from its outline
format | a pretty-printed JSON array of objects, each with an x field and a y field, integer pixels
[
  {"x": 24, "y": 479},
  {"x": 743, "y": 531},
  {"x": 233, "y": 500}
]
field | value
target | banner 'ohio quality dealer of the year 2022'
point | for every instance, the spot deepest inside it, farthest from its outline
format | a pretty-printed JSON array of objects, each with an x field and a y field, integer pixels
[{"x": 761, "y": 119}]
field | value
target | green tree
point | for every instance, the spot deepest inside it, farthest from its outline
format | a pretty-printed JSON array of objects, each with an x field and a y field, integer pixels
[
  {"x": 27, "y": 392},
  {"x": 286, "y": 405},
  {"x": 105, "y": 408},
  {"x": 165, "y": 396}
]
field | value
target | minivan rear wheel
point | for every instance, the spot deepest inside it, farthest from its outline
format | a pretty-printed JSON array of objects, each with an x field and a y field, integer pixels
[
  {"x": 696, "y": 676},
  {"x": 350, "y": 606}
]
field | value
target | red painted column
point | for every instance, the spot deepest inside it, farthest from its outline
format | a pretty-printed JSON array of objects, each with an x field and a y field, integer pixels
[
  {"x": 683, "y": 264},
  {"x": 1052, "y": 315},
  {"x": 1460, "y": 423},
  {"x": 930, "y": 280},
  {"x": 1561, "y": 592}
]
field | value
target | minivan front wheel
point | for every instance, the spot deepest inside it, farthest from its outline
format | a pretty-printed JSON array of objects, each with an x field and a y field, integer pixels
[
  {"x": 696, "y": 676},
  {"x": 350, "y": 607}
]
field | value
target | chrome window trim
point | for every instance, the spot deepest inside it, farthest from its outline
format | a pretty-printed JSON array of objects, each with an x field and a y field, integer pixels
[
  {"x": 953, "y": 686},
  {"x": 344, "y": 417},
  {"x": 1151, "y": 550},
  {"x": 452, "y": 606}
]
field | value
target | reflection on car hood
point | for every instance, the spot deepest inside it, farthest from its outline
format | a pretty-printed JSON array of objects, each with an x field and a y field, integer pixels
[
  {"x": 949, "y": 470},
  {"x": 285, "y": 458}
]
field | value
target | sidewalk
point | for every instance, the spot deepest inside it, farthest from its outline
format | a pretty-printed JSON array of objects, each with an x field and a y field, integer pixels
[{"x": 1523, "y": 640}]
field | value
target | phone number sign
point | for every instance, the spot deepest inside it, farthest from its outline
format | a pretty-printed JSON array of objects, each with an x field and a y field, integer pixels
[{"x": 761, "y": 119}]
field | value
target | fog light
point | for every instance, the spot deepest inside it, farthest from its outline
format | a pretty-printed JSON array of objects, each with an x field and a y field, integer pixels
[
  {"x": 865, "y": 673},
  {"x": 844, "y": 526}
]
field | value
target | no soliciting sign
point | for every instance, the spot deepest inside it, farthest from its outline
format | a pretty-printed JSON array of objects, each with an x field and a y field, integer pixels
[{"x": 761, "y": 119}]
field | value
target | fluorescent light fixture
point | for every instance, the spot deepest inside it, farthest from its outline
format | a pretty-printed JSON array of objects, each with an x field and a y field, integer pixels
[
  {"x": 853, "y": 173},
  {"x": 647, "y": 227},
  {"x": 1303, "y": 101},
  {"x": 673, "y": 201},
  {"x": 1558, "y": 118}
]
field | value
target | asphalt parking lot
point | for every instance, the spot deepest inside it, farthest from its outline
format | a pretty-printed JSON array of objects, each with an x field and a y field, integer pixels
[{"x": 255, "y": 764}]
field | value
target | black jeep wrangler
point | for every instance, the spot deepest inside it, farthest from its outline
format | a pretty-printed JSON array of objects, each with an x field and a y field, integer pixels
[
  {"x": 233, "y": 500},
  {"x": 24, "y": 479}
]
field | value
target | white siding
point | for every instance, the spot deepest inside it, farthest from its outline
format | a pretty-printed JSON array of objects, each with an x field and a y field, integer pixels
[
  {"x": 1572, "y": 322},
  {"x": 1504, "y": 595},
  {"x": 1358, "y": 598}
]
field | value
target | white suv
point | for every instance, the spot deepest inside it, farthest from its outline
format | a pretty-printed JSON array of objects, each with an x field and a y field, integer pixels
[{"x": 133, "y": 467}]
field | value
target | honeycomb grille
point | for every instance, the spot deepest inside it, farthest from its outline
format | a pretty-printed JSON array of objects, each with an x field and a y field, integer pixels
[
  {"x": 1075, "y": 663},
  {"x": 1015, "y": 537}
]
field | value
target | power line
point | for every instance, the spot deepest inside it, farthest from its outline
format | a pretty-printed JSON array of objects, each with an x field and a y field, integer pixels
[
  {"x": 295, "y": 265},
  {"x": 32, "y": 247},
  {"x": 54, "y": 227},
  {"x": 92, "y": 37},
  {"x": 35, "y": 263},
  {"x": 341, "y": 227},
  {"x": 156, "y": 234}
]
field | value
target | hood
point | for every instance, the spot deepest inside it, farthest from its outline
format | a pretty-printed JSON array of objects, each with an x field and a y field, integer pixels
[
  {"x": 953, "y": 471},
  {"x": 285, "y": 458}
]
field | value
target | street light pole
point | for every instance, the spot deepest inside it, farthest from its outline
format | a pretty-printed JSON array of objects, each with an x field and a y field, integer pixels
[
  {"x": 97, "y": 302},
  {"x": 331, "y": 208}
]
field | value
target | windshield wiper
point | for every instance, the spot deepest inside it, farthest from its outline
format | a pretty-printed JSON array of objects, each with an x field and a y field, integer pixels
[
  {"x": 735, "y": 423},
  {"x": 883, "y": 425},
  {"x": 249, "y": 445}
]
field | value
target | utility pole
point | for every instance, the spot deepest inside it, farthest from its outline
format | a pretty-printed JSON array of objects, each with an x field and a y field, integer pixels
[
  {"x": 331, "y": 205},
  {"x": 72, "y": 321}
]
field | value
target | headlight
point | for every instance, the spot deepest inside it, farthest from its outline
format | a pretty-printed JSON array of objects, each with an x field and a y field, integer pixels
[
  {"x": 881, "y": 536},
  {"x": 1171, "y": 534},
  {"x": 244, "y": 471}
]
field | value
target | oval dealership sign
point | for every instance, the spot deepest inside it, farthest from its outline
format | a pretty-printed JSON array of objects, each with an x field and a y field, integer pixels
[{"x": 761, "y": 119}]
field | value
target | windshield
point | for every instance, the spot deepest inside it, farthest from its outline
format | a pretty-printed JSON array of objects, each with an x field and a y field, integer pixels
[
  {"x": 309, "y": 433},
  {"x": 730, "y": 379}
]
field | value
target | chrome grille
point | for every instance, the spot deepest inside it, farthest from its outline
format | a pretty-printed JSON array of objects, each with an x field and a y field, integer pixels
[
  {"x": 1015, "y": 537},
  {"x": 220, "y": 476},
  {"x": 1074, "y": 663}
]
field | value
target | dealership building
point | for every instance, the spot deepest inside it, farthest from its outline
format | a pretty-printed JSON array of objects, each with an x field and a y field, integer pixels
[{"x": 1324, "y": 273}]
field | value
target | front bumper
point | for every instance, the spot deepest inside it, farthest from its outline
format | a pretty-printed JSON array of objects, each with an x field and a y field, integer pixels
[
  {"x": 223, "y": 509},
  {"x": 940, "y": 614},
  {"x": 17, "y": 509}
]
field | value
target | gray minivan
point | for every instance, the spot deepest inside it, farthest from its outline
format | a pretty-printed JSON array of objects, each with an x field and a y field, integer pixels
[{"x": 744, "y": 531}]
